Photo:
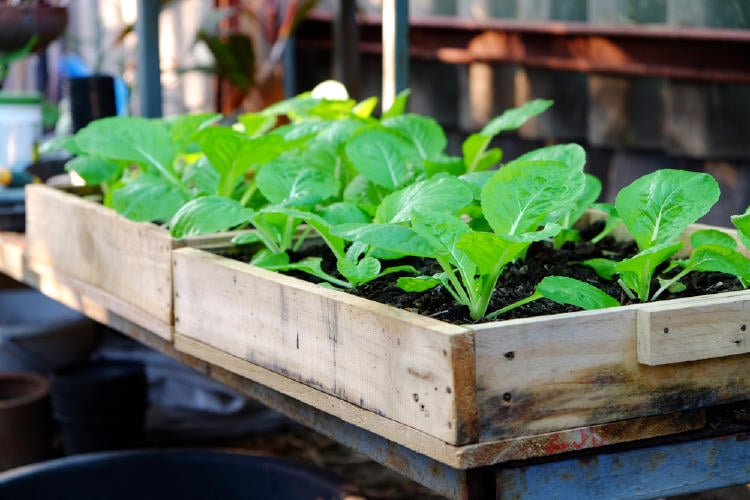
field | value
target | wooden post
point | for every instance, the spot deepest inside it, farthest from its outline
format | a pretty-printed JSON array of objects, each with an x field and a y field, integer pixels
[{"x": 395, "y": 49}]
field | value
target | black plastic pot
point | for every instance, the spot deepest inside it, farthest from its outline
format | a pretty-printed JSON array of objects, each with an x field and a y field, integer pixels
[
  {"x": 162, "y": 474},
  {"x": 25, "y": 419},
  {"x": 100, "y": 405}
]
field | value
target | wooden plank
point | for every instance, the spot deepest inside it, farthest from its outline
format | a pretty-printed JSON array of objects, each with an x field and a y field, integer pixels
[
  {"x": 12, "y": 262},
  {"x": 685, "y": 331},
  {"x": 129, "y": 261},
  {"x": 461, "y": 457},
  {"x": 578, "y": 369},
  {"x": 655, "y": 472},
  {"x": 413, "y": 369}
]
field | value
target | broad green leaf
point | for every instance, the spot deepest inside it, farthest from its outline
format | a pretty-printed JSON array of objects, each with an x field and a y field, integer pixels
[
  {"x": 489, "y": 252},
  {"x": 329, "y": 109},
  {"x": 399, "y": 105},
  {"x": 521, "y": 194},
  {"x": 436, "y": 194},
  {"x": 572, "y": 155},
  {"x": 384, "y": 157},
  {"x": 148, "y": 198},
  {"x": 426, "y": 133},
  {"x": 185, "y": 128},
  {"x": 94, "y": 170},
  {"x": 417, "y": 283},
  {"x": 658, "y": 207},
  {"x": 719, "y": 258},
  {"x": 202, "y": 176},
  {"x": 565, "y": 290},
  {"x": 317, "y": 222},
  {"x": 603, "y": 267},
  {"x": 129, "y": 138},
  {"x": 475, "y": 146},
  {"x": 362, "y": 271},
  {"x": 712, "y": 237},
  {"x": 391, "y": 237},
  {"x": 293, "y": 184},
  {"x": 514, "y": 118},
  {"x": 208, "y": 214},
  {"x": 256, "y": 124}
]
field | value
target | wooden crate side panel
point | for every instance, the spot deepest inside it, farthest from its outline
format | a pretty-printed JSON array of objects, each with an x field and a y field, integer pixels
[
  {"x": 94, "y": 244},
  {"x": 396, "y": 364},
  {"x": 682, "y": 331},
  {"x": 582, "y": 369}
]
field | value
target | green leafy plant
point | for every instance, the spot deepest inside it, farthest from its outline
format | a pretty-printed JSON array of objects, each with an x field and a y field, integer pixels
[{"x": 656, "y": 208}]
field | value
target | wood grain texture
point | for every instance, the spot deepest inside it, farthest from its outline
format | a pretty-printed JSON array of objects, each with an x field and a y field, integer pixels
[
  {"x": 129, "y": 261},
  {"x": 577, "y": 369},
  {"x": 687, "y": 330},
  {"x": 395, "y": 363}
]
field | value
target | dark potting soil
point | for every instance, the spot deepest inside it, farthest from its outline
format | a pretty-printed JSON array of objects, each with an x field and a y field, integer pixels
[{"x": 518, "y": 281}]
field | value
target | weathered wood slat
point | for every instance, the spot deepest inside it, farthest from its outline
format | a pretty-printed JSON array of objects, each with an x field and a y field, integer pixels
[
  {"x": 129, "y": 261},
  {"x": 538, "y": 375},
  {"x": 689, "y": 331},
  {"x": 416, "y": 370}
]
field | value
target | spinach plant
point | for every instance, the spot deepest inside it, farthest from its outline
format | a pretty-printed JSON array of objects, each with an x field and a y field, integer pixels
[{"x": 656, "y": 208}]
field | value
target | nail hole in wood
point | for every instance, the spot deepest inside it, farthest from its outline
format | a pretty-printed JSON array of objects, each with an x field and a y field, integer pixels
[
  {"x": 507, "y": 397},
  {"x": 510, "y": 355},
  {"x": 743, "y": 328},
  {"x": 666, "y": 331}
]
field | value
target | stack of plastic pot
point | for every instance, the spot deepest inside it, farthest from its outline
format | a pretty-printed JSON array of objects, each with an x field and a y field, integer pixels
[{"x": 100, "y": 405}]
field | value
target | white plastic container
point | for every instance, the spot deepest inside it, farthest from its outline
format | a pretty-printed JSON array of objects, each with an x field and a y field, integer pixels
[{"x": 20, "y": 129}]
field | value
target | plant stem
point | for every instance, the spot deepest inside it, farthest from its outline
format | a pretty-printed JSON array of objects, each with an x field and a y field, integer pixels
[{"x": 518, "y": 303}]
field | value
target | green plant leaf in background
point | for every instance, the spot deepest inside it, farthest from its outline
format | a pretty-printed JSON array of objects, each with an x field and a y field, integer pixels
[
  {"x": 476, "y": 156},
  {"x": 94, "y": 170},
  {"x": 145, "y": 141},
  {"x": 148, "y": 198},
  {"x": 208, "y": 214},
  {"x": 384, "y": 157},
  {"x": 426, "y": 133},
  {"x": 742, "y": 223}
]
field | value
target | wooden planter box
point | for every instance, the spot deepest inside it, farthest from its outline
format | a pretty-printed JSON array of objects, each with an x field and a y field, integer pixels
[
  {"x": 125, "y": 265},
  {"x": 468, "y": 384}
]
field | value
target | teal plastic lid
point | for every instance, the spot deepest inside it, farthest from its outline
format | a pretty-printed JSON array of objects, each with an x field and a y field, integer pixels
[{"x": 20, "y": 98}]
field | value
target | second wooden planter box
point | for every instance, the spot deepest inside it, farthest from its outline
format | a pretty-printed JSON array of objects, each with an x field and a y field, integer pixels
[
  {"x": 124, "y": 265},
  {"x": 474, "y": 383}
]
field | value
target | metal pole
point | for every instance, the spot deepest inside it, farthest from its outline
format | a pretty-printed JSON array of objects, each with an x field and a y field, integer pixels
[
  {"x": 395, "y": 49},
  {"x": 149, "y": 70}
]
